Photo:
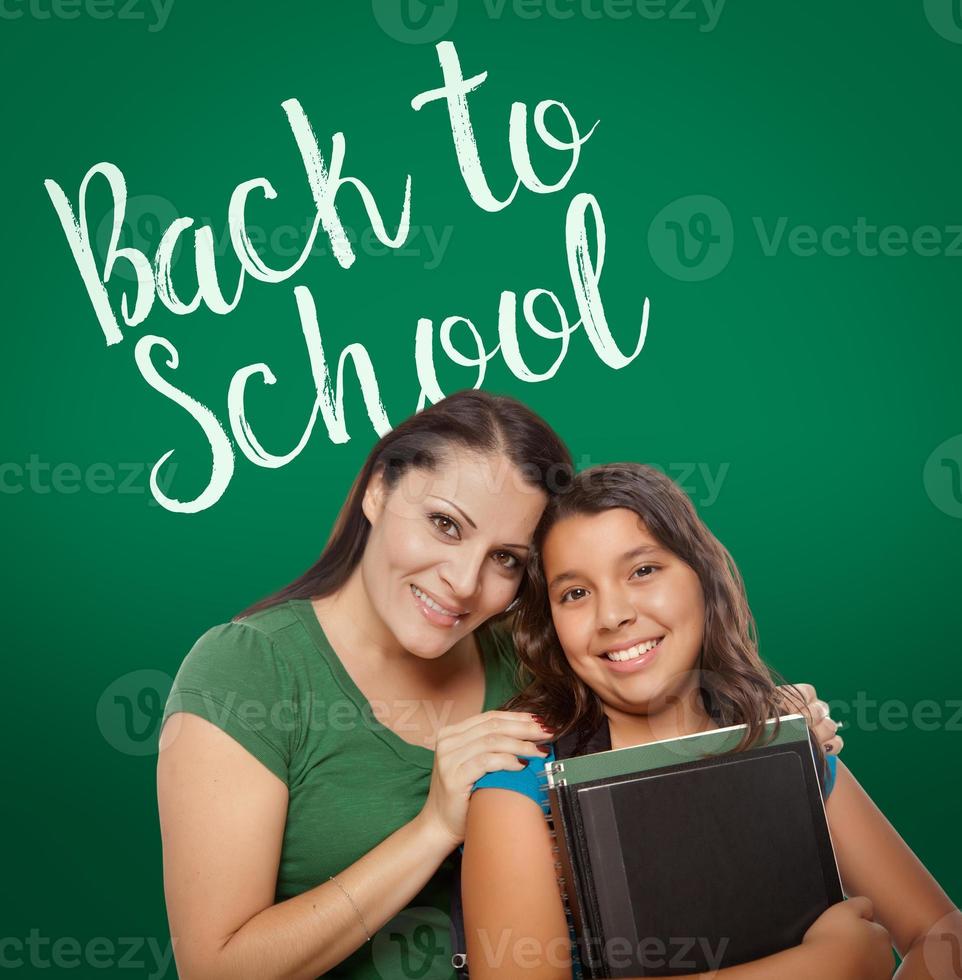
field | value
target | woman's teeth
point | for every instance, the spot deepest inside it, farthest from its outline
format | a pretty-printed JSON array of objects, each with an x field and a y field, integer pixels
[
  {"x": 431, "y": 604},
  {"x": 634, "y": 652}
]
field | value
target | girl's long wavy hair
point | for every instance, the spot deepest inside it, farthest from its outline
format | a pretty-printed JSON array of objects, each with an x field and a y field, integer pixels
[
  {"x": 735, "y": 686},
  {"x": 476, "y": 421}
]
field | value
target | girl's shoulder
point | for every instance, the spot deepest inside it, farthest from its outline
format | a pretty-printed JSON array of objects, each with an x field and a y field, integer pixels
[{"x": 532, "y": 781}]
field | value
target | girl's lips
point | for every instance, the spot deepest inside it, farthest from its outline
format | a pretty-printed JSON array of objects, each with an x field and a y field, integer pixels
[
  {"x": 630, "y": 666},
  {"x": 433, "y": 616}
]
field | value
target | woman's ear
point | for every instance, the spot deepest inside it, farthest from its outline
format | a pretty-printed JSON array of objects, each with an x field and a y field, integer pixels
[{"x": 372, "y": 503}]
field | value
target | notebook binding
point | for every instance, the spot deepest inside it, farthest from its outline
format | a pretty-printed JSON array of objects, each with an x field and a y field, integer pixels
[{"x": 549, "y": 775}]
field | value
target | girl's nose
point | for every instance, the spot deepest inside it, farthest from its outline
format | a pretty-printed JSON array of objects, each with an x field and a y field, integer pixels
[{"x": 615, "y": 612}]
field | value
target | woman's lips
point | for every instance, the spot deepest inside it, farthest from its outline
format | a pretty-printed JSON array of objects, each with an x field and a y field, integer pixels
[{"x": 432, "y": 615}]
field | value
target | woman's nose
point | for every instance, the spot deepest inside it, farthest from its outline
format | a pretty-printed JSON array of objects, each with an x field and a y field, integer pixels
[{"x": 463, "y": 575}]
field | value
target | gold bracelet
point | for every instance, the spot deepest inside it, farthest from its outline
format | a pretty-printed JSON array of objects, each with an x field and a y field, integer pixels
[{"x": 356, "y": 909}]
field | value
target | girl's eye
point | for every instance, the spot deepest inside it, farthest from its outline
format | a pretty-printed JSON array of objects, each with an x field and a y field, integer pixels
[
  {"x": 644, "y": 571},
  {"x": 573, "y": 594},
  {"x": 507, "y": 560},
  {"x": 446, "y": 525}
]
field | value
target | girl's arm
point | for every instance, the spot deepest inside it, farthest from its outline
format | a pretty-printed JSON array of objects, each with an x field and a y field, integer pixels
[
  {"x": 515, "y": 923},
  {"x": 925, "y": 926}
]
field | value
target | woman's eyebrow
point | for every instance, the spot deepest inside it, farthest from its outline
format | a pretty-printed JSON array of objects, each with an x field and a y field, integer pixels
[
  {"x": 627, "y": 556},
  {"x": 451, "y": 503}
]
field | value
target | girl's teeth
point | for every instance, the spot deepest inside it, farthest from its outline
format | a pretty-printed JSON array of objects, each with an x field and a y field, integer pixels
[
  {"x": 634, "y": 652},
  {"x": 431, "y": 604}
]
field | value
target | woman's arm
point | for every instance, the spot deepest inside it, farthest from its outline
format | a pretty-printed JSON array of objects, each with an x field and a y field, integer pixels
[
  {"x": 222, "y": 817},
  {"x": 515, "y": 923},
  {"x": 925, "y": 926}
]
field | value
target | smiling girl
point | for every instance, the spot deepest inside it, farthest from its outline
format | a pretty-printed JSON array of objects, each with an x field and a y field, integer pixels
[{"x": 635, "y": 627}]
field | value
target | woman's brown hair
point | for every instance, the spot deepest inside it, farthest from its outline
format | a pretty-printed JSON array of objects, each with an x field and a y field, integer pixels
[
  {"x": 736, "y": 687},
  {"x": 474, "y": 420}
]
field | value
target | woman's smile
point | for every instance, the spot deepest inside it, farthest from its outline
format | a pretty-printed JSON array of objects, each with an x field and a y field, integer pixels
[{"x": 433, "y": 611}]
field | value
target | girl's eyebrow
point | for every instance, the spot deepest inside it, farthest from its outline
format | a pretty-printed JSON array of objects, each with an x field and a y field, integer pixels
[{"x": 645, "y": 549}]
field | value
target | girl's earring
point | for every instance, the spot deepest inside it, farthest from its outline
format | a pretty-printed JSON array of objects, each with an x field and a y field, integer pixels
[{"x": 512, "y": 605}]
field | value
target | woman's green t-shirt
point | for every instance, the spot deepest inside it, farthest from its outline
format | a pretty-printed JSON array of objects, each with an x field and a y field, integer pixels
[{"x": 273, "y": 683}]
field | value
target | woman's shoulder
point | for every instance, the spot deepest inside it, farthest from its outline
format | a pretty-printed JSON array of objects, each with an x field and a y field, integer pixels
[
  {"x": 505, "y": 671},
  {"x": 245, "y": 677}
]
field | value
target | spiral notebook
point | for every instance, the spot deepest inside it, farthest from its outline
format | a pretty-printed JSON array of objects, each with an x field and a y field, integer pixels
[{"x": 683, "y": 856}]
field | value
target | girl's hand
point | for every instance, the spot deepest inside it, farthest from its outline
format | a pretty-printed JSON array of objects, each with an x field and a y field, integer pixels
[
  {"x": 465, "y": 752},
  {"x": 817, "y": 712},
  {"x": 849, "y": 943}
]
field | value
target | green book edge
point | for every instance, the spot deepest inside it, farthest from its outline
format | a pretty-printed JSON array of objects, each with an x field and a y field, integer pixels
[{"x": 669, "y": 752}]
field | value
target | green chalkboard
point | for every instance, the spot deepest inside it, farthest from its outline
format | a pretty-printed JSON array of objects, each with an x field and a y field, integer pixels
[{"x": 776, "y": 326}]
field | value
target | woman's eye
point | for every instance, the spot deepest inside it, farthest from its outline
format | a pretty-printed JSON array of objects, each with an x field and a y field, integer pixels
[
  {"x": 643, "y": 571},
  {"x": 573, "y": 594},
  {"x": 448, "y": 527},
  {"x": 507, "y": 560}
]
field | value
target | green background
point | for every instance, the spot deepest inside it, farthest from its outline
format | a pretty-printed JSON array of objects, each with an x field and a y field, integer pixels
[{"x": 821, "y": 386}]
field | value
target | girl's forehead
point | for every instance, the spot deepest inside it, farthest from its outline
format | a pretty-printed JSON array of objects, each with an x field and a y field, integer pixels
[
  {"x": 612, "y": 526},
  {"x": 613, "y": 535}
]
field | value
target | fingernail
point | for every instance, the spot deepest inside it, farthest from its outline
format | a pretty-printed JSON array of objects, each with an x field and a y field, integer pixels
[{"x": 838, "y": 725}]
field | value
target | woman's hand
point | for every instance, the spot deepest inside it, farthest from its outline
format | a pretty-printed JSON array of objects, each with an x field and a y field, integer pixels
[
  {"x": 817, "y": 713},
  {"x": 850, "y": 943},
  {"x": 465, "y": 752}
]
